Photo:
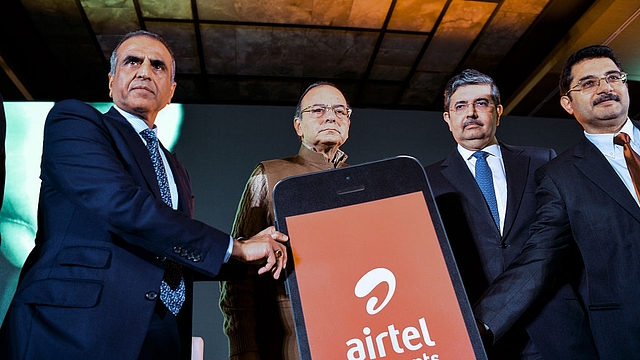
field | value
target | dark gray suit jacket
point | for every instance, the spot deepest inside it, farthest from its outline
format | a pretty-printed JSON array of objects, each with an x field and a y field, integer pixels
[
  {"x": 583, "y": 205},
  {"x": 555, "y": 324}
]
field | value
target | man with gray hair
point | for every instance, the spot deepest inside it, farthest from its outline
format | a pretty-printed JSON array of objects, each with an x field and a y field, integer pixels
[
  {"x": 117, "y": 247},
  {"x": 484, "y": 192},
  {"x": 258, "y": 316}
]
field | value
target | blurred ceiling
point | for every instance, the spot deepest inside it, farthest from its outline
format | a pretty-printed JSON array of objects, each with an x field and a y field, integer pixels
[{"x": 391, "y": 54}]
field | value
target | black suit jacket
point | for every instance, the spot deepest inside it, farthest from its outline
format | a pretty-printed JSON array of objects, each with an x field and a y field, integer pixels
[
  {"x": 555, "y": 324},
  {"x": 90, "y": 285},
  {"x": 583, "y": 205}
]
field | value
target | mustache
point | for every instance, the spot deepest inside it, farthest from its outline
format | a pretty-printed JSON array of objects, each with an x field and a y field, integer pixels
[
  {"x": 472, "y": 121},
  {"x": 606, "y": 97}
]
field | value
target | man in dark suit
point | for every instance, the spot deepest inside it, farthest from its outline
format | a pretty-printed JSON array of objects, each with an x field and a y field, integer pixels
[
  {"x": 110, "y": 274},
  {"x": 487, "y": 228},
  {"x": 587, "y": 205}
]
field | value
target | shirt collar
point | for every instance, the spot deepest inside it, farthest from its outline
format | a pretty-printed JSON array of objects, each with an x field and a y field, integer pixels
[
  {"x": 604, "y": 142},
  {"x": 138, "y": 124},
  {"x": 493, "y": 150}
]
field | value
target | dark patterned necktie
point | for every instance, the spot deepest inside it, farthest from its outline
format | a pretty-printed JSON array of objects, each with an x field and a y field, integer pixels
[
  {"x": 631, "y": 158},
  {"x": 484, "y": 178},
  {"x": 172, "y": 289}
]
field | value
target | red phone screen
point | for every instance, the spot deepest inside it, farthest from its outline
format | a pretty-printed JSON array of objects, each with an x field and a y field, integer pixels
[{"x": 373, "y": 283}]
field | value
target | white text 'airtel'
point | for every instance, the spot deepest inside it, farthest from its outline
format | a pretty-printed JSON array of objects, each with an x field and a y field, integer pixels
[{"x": 411, "y": 338}]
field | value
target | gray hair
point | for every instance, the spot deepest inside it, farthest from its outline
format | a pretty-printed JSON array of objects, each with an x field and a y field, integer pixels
[
  {"x": 314, "y": 85},
  {"x": 114, "y": 58},
  {"x": 469, "y": 77}
]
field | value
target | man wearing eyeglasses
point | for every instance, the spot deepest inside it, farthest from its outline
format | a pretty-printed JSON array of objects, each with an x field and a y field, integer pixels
[
  {"x": 258, "y": 317},
  {"x": 587, "y": 205},
  {"x": 485, "y": 195}
]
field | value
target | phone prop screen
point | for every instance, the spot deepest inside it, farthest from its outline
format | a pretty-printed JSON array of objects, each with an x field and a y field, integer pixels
[{"x": 371, "y": 275}]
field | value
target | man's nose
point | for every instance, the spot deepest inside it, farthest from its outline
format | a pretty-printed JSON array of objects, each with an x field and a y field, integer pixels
[
  {"x": 330, "y": 115},
  {"x": 144, "y": 70},
  {"x": 471, "y": 110},
  {"x": 603, "y": 86}
]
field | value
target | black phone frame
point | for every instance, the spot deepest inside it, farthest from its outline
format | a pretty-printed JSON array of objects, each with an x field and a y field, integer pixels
[{"x": 359, "y": 184}]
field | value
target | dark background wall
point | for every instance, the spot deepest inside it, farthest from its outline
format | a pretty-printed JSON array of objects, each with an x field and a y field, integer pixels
[{"x": 220, "y": 145}]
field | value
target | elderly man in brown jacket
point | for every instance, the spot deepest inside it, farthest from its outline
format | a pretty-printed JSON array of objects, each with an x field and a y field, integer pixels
[{"x": 258, "y": 317}]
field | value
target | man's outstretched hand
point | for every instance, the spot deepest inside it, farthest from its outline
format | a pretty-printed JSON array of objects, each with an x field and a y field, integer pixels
[{"x": 265, "y": 245}]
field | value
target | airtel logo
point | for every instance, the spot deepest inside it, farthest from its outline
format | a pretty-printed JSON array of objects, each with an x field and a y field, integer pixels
[
  {"x": 370, "y": 281},
  {"x": 410, "y": 338}
]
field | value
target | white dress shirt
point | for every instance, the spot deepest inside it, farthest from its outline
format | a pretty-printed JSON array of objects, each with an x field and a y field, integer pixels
[{"x": 614, "y": 153}]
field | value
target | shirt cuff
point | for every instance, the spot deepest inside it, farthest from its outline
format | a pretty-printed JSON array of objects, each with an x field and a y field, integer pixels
[{"x": 229, "y": 249}]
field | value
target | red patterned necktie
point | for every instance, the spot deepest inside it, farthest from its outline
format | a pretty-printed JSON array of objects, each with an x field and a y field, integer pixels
[{"x": 632, "y": 159}]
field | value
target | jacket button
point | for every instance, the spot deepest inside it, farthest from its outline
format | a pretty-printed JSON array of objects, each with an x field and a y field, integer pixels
[
  {"x": 197, "y": 258},
  {"x": 161, "y": 258},
  {"x": 151, "y": 295},
  {"x": 177, "y": 249}
]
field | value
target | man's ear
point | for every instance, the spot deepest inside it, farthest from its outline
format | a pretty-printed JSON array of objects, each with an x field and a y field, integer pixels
[
  {"x": 298, "y": 126},
  {"x": 447, "y": 119},
  {"x": 499, "y": 110},
  {"x": 173, "y": 89},
  {"x": 567, "y": 104},
  {"x": 110, "y": 85}
]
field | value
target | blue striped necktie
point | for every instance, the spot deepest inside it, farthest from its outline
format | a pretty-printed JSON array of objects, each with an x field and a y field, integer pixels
[
  {"x": 484, "y": 178},
  {"x": 172, "y": 289}
]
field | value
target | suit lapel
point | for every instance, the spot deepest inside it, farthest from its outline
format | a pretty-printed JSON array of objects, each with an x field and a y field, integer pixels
[
  {"x": 456, "y": 171},
  {"x": 141, "y": 157},
  {"x": 137, "y": 148},
  {"x": 516, "y": 171},
  {"x": 181, "y": 180},
  {"x": 596, "y": 168}
]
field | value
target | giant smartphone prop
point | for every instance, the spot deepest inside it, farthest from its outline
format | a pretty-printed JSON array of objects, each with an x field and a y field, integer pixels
[{"x": 371, "y": 274}]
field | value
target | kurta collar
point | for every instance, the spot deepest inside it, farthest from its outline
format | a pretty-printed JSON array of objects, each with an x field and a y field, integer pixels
[{"x": 317, "y": 158}]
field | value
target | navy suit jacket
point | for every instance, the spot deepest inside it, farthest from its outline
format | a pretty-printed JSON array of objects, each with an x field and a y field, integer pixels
[
  {"x": 556, "y": 324},
  {"x": 583, "y": 205},
  {"x": 90, "y": 285}
]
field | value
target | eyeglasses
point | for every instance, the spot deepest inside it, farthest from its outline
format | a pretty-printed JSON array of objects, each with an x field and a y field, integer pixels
[
  {"x": 481, "y": 105},
  {"x": 590, "y": 84},
  {"x": 318, "y": 110}
]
